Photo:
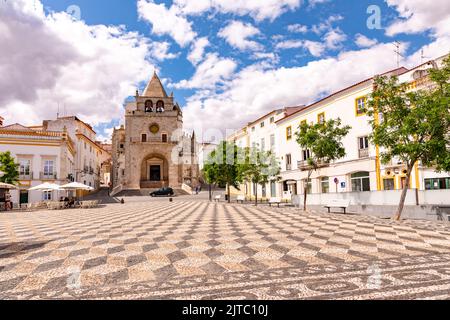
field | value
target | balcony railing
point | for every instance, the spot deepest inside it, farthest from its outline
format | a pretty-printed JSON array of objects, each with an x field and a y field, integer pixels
[
  {"x": 304, "y": 165},
  {"x": 47, "y": 176},
  {"x": 363, "y": 153},
  {"x": 28, "y": 176}
]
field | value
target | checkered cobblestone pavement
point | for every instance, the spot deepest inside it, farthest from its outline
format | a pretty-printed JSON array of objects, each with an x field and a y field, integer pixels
[{"x": 201, "y": 250}]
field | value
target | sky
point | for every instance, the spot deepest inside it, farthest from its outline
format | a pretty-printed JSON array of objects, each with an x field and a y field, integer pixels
[{"x": 227, "y": 62}]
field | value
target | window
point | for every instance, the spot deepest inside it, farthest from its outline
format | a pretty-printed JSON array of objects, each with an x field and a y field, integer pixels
[
  {"x": 363, "y": 147},
  {"x": 360, "y": 105},
  {"x": 253, "y": 129},
  {"x": 303, "y": 122},
  {"x": 272, "y": 119},
  {"x": 325, "y": 184},
  {"x": 363, "y": 143},
  {"x": 24, "y": 167},
  {"x": 148, "y": 106},
  {"x": 360, "y": 181},
  {"x": 121, "y": 146},
  {"x": 263, "y": 144},
  {"x": 388, "y": 184},
  {"x": 437, "y": 184},
  {"x": 160, "y": 106},
  {"x": 289, "y": 133},
  {"x": 288, "y": 162},
  {"x": 262, "y": 124},
  {"x": 307, "y": 185},
  {"x": 264, "y": 190},
  {"x": 144, "y": 138},
  {"x": 306, "y": 154},
  {"x": 273, "y": 189},
  {"x": 47, "y": 196},
  {"x": 272, "y": 142},
  {"x": 164, "y": 137},
  {"x": 321, "y": 118}
]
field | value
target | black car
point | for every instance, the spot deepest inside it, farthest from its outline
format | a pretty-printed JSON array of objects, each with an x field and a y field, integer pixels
[{"x": 162, "y": 192}]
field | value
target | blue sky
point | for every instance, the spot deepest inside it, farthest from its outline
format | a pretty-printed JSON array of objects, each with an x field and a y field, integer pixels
[{"x": 297, "y": 50}]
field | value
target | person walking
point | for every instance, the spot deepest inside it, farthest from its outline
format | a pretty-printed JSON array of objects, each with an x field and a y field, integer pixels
[{"x": 8, "y": 204}]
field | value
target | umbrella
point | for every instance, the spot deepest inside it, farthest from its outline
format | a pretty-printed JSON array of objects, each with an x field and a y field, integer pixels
[
  {"x": 76, "y": 186},
  {"x": 46, "y": 187},
  {"x": 7, "y": 186}
]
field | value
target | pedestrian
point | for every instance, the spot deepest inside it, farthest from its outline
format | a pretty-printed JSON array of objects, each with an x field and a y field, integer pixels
[{"x": 8, "y": 204}]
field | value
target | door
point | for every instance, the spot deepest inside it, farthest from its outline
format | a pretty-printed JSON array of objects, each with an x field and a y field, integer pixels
[
  {"x": 23, "y": 196},
  {"x": 155, "y": 173}
]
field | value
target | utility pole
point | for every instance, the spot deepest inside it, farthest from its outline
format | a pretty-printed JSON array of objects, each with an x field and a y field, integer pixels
[{"x": 397, "y": 52}]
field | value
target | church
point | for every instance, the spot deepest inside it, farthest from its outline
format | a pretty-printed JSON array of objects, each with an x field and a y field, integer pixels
[{"x": 151, "y": 150}]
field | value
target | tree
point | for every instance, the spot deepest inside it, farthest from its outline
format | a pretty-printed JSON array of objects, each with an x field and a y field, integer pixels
[
  {"x": 412, "y": 126},
  {"x": 223, "y": 166},
  {"x": 324, "y": 142},
  {"x": 210, "y": 176},
  {"x": 9, "y": 168},
  {"x": 259, "y": 168}
]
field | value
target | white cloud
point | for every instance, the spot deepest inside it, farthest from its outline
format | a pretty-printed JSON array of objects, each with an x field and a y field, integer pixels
[
  {"x": 53, "y": 59},
  {"x": 364, "y": 42},
  {"x": 418, "y": 16},
  {"x": 327, "y": 25},
  {"x": 297, "y": 28},
  {"x": 236, "y": 33},
  {"x": 214, "y": 70},
  {"x": 167, "y": 21},
  {"x": 334, "y": 38},
  {"x": 198, "y": 50},
  {"x": 256, "y": 90},
  {"x": 160, "y": 50},
  {"x": 315, "y": 48},
  {"x": 259, "y": 10},
  {"x": 289, "y": 44}
]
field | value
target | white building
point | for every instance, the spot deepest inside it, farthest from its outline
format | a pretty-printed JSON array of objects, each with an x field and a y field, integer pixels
[
  {"x": 89, "y": 154},
  {"x": 43, "y": 156},
  {"x": 361, "y": 169}
]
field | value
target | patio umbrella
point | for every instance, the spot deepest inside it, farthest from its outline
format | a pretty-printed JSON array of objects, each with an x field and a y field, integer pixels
[
  {"x": 76, "y": 186},
  {"x": 7, "y": 186},
  {"x": 46, "y": 187}
]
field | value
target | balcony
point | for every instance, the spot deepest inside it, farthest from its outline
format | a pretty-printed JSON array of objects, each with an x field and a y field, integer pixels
[
  {"x": 304, "y": 165},
  {"x": 363, "y": 153},
  {"x": 26, "y": 176},
  {"x": 47, "y": 176}
]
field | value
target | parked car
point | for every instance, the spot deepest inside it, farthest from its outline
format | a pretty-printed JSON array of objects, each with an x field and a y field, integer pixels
[{"x": 163, "y": 192}]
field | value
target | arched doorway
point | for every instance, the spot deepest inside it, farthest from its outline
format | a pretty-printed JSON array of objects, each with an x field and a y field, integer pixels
[{"x": 154, "y": 172}]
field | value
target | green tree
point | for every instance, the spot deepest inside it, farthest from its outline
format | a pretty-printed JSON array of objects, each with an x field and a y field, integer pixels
[
  {"x": 412, "y": 126},
  {"x": 324, "y": 142},
  {"x": 259, "y": 168},
  {"x": 9, "y": 168},
  {"x": 223, "y": 166}
]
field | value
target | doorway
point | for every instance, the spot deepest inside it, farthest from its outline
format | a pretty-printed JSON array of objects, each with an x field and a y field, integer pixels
[
  {"x": 155, "y": 173},
  {"x": 23, "y": 196}
]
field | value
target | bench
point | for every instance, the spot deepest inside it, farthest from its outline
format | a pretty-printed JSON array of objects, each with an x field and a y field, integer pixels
[
  {"x": 338, "y": 203},
  {"x": 276, "y": 201},
  {"x": 241, "y": 199},
  {"x": 217, "y": 198}
]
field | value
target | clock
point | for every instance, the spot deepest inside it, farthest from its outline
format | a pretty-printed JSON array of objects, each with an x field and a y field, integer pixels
[{"x": 154, "y": 128}]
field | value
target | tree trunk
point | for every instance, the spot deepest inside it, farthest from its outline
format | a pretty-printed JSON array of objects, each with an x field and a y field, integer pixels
[
  {"x": 305, "y": 187},
  {"x": 256, "y": 195},
  {"x": 229, "y": 193},
  {"x": 210, "y": 192},
  {"x": 401, "y": 205}
]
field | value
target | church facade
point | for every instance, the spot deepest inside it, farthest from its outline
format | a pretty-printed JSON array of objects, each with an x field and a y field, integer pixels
[{"x": 151, "y": 150}]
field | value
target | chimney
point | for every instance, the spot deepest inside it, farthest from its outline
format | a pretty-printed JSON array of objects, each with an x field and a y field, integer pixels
[{"x": 1, "y": 121}]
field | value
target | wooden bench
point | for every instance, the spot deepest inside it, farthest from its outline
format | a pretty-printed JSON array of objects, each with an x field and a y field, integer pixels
[
  {"x": 275, "y": 200},
  {"x": 217, "y": 198},
  {"x": 241, "y": 199},
  {"x": 338, "y": 203}
]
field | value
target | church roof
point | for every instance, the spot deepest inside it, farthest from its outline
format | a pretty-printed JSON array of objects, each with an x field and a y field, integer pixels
[{"x": 155, "y": 88}]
